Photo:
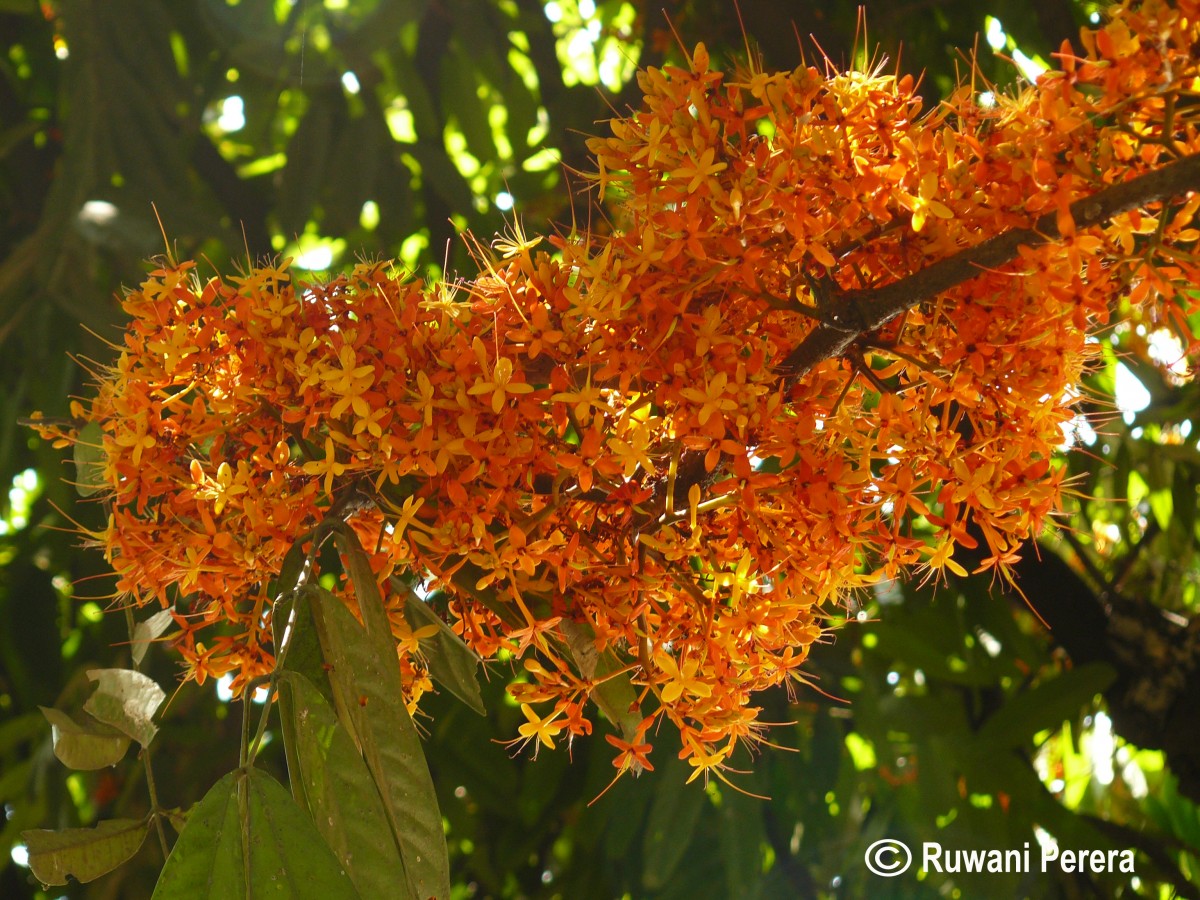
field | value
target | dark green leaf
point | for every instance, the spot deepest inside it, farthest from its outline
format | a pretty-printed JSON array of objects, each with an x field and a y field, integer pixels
[
  {"x": 1047, "y": 705},
  {"x": 207, "y": 862},
  {"x": 20, "y": 729},
  {"x": 1183, "y": 490},
  {"x": 673, "y": 816},
  {"x": 614, "y": 694},
  {"x": 440, "y": 172},
  {"x": 743, "y": 839},
  {"x": 338, "y": 790},
  {"x": 11, "y": 137},
  {"x": 366, "y": 589},
  {"x": 293, "y": 569},
  {"x": 287, "y": 854},
  {"x": 359, "y": 149},
  {"x": 931, "y": 643},
  {"x": 16, "y": 779},
  {"x": 248, "y": 838},
  {"x": 308, "y": 156},
  {"x": 293, "y": 626},
  {"x": 83, "y": 853},
  {"x": 294, "y": 616},
  {"x": 368, "y": 691},
  {"x": 460, "y": 87}
]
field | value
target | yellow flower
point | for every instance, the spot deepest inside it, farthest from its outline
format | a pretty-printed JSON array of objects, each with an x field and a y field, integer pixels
[
  {"x": 681, "y": 678},
  {"x": 699, "y": 170},
  {"x": 924, "y": 204},
  {"x": 712, "y": 399},
  {"x": 349, "y": 381},
  {"x": 329, "y": 465},
  {"x": 632, "y": 453},
  {"x": 500, "y": 384},
  {"x": 542, "y": 730},
  {"x": 584, "y": 398}
]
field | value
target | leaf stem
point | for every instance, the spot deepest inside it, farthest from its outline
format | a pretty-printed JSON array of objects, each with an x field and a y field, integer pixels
[
  {"x": 156, "y": 811},
  {"x": 249, "y": 749}
]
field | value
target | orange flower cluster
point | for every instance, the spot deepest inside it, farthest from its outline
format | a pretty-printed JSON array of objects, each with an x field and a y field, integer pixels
[{"x": 617, "y": 444}]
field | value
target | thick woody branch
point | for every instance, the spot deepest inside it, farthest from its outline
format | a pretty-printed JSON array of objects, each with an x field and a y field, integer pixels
[{"x": 861, "y": 311}]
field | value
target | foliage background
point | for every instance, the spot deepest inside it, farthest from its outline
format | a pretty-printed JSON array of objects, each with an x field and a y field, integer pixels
[{"x": 326, "y": 130}]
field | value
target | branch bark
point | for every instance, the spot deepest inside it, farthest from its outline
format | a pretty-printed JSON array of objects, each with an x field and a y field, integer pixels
[
  {"x": 858, "y": 312},
  {"x": 861, "y": 311}
]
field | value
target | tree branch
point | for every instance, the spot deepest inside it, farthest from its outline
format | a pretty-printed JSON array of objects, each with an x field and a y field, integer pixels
[{"x": 864, "y": 310}]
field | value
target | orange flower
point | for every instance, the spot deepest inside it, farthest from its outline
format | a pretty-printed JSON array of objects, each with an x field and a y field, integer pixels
[{"x": 596, "y": 455}]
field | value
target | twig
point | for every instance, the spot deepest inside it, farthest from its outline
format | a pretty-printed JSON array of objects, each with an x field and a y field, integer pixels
[
  {"x": 156, "y": 811},
  {"x": 864, "y": 310}
]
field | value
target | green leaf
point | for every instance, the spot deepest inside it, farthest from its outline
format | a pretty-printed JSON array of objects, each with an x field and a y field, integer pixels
[
  {"x": 292, "y": 623},
  {"x": 1046, "y": 706},
  {"x": 365, "y": 675},
  {"x": 461, "y": 81},
  {"x": 86, "y": 744},
  {"x": 126, "y": 700},
  {"x": 614, "y": 694},
  {"x": 743, "y": 839},
  {"x": 308, "y": 157},
  {"x": 440, "y": 172},
  {"x": 366, "y": 588},
  {"x": 89, "y": 460},
  {"x": 294, "y": 618},
  {"x": 931, "y": 643},
  {"x": 207, "y": 860},
  {"x": 1183, "y": 491},
  {"x": 360, "y": 145},
  {"x": 16, "y": 779},
  {"x": 452, "y": 664},
  {"x": 248, "y": 838},
  {"x": 673, "y": 816},
  {"x": 1162, "y": 505},
  {"x": 283, "y": 845},
  {"x": 18, "y": 134},
  {"x": 85, "y": 853},
  {"x": 146, "y": 632},
  {"x": 338, "y": 790},
  {"x": 295, "y": 567},
  {"x": 20, "y": 729}
]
